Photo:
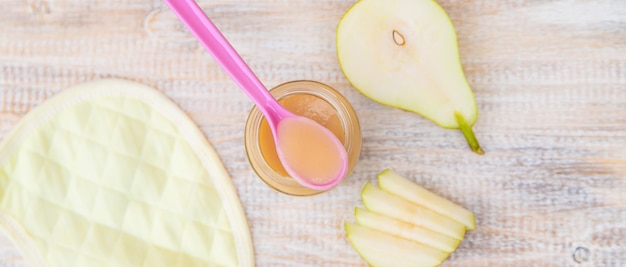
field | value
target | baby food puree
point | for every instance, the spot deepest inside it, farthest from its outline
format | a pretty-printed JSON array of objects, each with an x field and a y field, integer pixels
[
  {"x": 320, "y": 103},
  {"x": 326, "y": 164}
]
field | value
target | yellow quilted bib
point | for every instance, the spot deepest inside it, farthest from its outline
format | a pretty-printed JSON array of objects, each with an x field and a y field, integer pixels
[{"x": 112, "y": 173}]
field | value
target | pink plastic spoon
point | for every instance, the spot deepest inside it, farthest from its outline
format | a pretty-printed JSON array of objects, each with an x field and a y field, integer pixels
[{"x": 311, "y": 154}]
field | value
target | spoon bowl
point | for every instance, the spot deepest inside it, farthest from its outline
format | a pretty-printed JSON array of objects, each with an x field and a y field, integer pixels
[{"x": 311, "y": 154}]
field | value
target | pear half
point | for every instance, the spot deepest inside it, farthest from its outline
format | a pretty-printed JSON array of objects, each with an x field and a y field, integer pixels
[{"x": 403, "y": 53}]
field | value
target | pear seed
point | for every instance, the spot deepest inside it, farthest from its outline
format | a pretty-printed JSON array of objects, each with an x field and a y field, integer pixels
[{"x": 398, "y": 38}]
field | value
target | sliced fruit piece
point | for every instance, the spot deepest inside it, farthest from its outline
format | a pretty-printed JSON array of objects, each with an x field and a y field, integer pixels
[
  {"x": 383, "y": 250},
  {"x": 403, "y": 53},
  {"x": 405, "y": 230},
  {"x": 398, "y": 185},
  {"x": 384, "y": 203}
]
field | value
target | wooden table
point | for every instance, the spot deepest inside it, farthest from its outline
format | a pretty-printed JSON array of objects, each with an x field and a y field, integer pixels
[{"x": 549, "y": 78}]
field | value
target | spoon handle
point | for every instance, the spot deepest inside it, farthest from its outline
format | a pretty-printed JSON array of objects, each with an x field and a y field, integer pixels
[{"x": 212, "y": 39}]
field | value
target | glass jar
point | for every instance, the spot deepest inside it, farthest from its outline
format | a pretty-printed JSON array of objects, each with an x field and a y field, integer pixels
[{"x": 311, "y": 99}]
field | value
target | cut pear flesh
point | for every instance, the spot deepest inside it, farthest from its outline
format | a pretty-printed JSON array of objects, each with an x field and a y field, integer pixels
[
  {"x": 379, "y": 201},
  {"x": 405, "y": 230},
  {"x": 403, "y": 53},
  {"x": 383, "y": 250},
  {"x": 400, "y": 186}
]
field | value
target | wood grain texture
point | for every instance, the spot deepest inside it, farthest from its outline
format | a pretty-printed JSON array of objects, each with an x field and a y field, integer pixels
[{"x": 549, "y": 78}]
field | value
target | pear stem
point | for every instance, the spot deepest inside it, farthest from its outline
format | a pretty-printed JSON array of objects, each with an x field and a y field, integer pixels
[{"x": 467, "y": 131}]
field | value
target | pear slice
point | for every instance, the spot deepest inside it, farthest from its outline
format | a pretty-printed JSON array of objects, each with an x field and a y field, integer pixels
[
  {"x": 403, "y": 53},
  {"x": 405, "y": 230},
  {"x": 383, "y": 250},
  {"x": 379, "y": 201},
  {"x": 400, "y": 186}
]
